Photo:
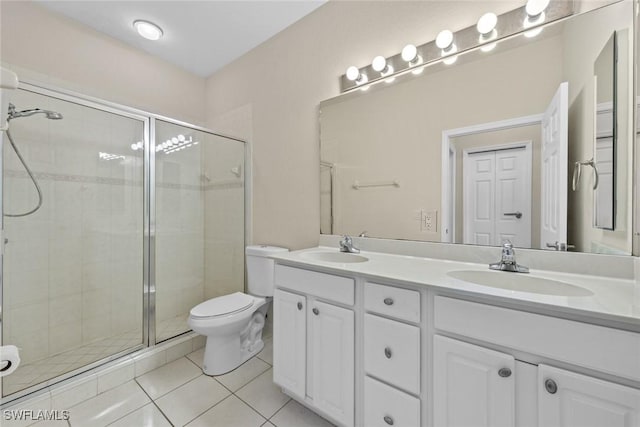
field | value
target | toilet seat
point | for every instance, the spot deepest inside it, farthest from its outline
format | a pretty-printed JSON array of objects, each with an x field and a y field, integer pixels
[{"x": 221, "y": 306}]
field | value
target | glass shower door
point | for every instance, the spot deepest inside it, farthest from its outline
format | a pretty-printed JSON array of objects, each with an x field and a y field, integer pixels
[
  {"x": 199, "y": 233},
  {"x": 73, "y": 270}
]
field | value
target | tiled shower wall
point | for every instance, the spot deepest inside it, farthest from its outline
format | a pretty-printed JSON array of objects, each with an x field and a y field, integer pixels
[{"x": 73, "y": 269}]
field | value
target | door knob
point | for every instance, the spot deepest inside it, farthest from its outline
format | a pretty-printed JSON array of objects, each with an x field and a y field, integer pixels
[
  {"x": 516, "y": 214},
  {"x": 388, "y": 301},
  {"x": 315, "y": 311},
  {"x": 387, "y": 352},
  {"x": 387, "y": 419},
  {"x": 299, "y": 306}
]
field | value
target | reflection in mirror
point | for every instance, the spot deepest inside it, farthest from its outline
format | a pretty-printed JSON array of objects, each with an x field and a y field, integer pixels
[
  {"x": 605, "y": 137},
  {"x": 479, "y": 152}
]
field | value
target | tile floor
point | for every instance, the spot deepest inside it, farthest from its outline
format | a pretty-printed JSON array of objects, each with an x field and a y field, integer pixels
[{"x": 178, "y": 394}]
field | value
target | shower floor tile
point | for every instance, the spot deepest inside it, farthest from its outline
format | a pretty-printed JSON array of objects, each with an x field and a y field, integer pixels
[{"x": 33, "y": 373}]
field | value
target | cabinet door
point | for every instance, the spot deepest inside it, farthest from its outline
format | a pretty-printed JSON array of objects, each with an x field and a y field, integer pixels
[
  {"x": 331, "y": 360},
  {"x": 289, "y": 341},
  {"x": 473, "y": 386},
  {"x": 568, "y": 399}
]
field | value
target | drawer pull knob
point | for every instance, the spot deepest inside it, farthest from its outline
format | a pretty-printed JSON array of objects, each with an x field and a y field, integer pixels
[
  {"x": 551, "y": 386},
  {"x": 299, "y": 306},
  {"x": 387, "y": 352},
  {"x": 504, "y": 372},
  {"x": 388, "y": 301},
  {"x": 315, "y": 311},
  {"x": 388, "y": 420}
]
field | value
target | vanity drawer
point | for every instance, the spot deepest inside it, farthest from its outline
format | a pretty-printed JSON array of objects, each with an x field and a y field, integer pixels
[
  {"x": 603, "y": 349},
  {"x": 322, "y": 285},
  {"x": 392, "y": 352},
  {"x": 395, "y": 302},
  {"x": 385, "y": 406}
]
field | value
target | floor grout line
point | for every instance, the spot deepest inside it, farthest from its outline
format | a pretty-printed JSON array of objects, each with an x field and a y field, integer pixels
[{"x": 154, "y": 404}]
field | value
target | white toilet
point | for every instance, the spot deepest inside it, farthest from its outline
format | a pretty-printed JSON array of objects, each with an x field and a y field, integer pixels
[{"x": 233, "y": 323}]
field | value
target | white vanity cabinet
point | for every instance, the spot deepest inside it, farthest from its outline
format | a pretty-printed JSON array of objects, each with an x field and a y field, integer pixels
[
  {"x": 313, "y": 341},
  {"x": 474, "y": 385}
]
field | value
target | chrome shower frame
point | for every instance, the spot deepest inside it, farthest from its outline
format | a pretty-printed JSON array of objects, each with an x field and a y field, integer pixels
[{"x": 148, "y": 119}]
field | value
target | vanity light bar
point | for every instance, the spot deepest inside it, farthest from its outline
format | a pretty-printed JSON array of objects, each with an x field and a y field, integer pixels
[{"x": 508, "y": 24}]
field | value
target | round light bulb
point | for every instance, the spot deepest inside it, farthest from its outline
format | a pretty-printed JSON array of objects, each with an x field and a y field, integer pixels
[
  {"x": 487, "y": 23},
  {"x": 536, "y": 7},
  {"x": 444, "y": 39},
  {"x": 180, "y": 137},
  {"x": 174, "y": 140},
  {"x": 353, "y": 73},
  {"x": 379, "y": 63},
  {"x": 148, "y": 30},
  {"x": 134, "y": 147},
  {"x": 409, "y": 53}
]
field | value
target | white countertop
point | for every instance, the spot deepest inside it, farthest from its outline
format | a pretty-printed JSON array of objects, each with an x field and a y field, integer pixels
[{"x": 616, "y": 300}]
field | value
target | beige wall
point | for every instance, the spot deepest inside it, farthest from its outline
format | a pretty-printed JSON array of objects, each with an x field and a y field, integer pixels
[
  {"x": 271, "y": 96},
  {"x": 50, "y": 48}
]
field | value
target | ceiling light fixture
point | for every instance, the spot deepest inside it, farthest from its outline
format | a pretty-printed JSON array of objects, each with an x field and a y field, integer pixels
[
  {"x": 487, "y": 24},
  {"x": 148, "y": 30}
]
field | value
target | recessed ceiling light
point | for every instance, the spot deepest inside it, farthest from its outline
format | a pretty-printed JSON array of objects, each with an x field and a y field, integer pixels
[{"x": 148, "y": 30}]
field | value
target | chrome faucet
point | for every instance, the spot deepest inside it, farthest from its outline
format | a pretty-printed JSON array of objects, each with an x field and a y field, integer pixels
[
  {"x": 508, "y": 260},
  {"x": 346, "y": 245}
]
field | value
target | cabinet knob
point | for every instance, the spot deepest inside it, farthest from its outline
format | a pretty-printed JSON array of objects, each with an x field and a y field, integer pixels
[
  {"x": 551, "y": 386},
  {"x": 387, "y": 352},
  {"x": 315, "y": 311},
  {"x": 504, "y": 372},
  {"x": 299, "y": 306},
  {"x": 388, "y": 301},
  {"x": 388, "y": 420}
]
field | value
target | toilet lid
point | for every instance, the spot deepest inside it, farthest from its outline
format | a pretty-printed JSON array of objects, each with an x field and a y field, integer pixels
[{"x": 223, "y": 305}]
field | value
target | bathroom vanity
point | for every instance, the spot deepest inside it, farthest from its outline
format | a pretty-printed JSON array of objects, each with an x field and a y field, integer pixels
[{"x": 389, "y": 340}]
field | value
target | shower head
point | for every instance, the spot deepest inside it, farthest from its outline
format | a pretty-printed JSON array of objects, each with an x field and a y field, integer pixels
[{"x": 13, "y": 114}]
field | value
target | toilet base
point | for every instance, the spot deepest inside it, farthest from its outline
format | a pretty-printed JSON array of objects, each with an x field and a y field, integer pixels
[
  {"x": 215, "y": 362},
  {"x": 224, "y": 353}
]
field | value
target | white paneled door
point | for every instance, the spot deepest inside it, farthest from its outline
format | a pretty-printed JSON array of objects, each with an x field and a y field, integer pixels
[
  {"x": 567, "y": 399},
  {"x": 555, "y": 136},
  {"x": 473, "y": 386},
  {"x": 331, "y": 359},
  {"x": 289, "y": 341},
  {"x": 497, "y": 195}
]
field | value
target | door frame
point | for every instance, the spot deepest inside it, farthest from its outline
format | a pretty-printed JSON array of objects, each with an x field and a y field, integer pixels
[
  {"x": 528, "y": 147},
  {"x": 447, "y": 184}
]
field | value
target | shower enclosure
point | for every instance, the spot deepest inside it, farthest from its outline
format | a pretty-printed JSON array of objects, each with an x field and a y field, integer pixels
[{"x": 141, "y": 218}]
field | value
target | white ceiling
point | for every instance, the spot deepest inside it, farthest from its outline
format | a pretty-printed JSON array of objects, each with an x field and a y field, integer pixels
[{"x": 199, "y": 36}]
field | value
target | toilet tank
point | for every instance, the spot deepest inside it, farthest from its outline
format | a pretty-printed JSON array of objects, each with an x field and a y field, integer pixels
[{"x": 260, "y": 269}]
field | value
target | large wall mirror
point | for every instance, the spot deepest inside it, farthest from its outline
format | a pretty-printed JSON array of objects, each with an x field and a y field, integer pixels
[{"x": 530, "y": 142}]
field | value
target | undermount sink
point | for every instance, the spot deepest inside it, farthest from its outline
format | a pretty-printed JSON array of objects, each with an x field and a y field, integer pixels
[
  {"x": 339, "y": 257},
  {"x": 520, "y": 282}
]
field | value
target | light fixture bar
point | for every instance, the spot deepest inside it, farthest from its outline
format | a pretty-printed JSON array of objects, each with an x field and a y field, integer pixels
[{"x": 508, "y": 24}]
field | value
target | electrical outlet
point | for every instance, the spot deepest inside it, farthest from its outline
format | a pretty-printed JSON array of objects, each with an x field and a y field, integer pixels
[{"x": 429, "y": 223}]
